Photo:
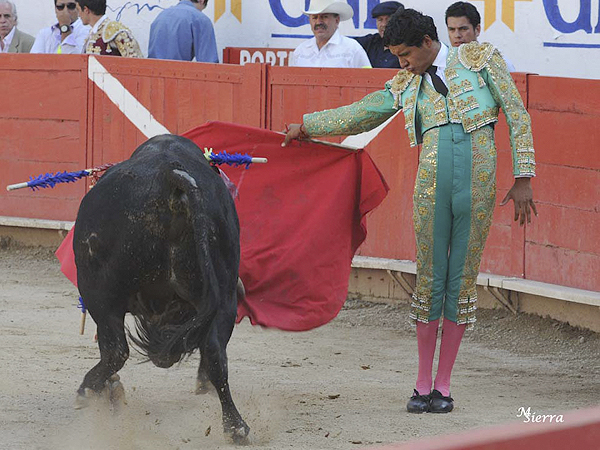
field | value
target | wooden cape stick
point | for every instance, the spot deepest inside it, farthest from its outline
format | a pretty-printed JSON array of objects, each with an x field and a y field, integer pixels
[
  {"x": 82, "y": 322},
  {"x": 330, "y": 144}
]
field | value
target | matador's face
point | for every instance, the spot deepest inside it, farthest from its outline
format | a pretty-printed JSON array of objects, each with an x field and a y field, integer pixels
[{"x": 416, "y": 59}]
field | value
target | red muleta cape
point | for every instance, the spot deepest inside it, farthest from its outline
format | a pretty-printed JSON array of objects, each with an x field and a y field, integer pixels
[{"x": 302, "y": 218}]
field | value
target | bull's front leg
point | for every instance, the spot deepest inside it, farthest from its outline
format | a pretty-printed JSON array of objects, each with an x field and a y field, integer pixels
[
  {"x": 203, "y": 384},
  {"x": 102, "y": 380},
  {"x": 214, "y": 353}
]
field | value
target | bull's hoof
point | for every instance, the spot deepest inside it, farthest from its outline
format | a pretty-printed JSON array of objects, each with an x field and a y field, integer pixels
[
  {"x": 203, "y": 387},
  {"x": 116, "y": 393},
  {"x": 112, "y": 395},
  {"x": 90, "y": 397},
  {"x": 239, "y": 434}
]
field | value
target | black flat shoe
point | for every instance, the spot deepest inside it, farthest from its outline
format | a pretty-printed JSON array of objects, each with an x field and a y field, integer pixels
[
  {"x": 418, "y": 403},
  {"x": 439, "y": 403}
]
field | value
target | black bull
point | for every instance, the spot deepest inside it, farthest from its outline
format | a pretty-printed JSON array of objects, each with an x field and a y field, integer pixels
[{"x": 158, "y": 237}]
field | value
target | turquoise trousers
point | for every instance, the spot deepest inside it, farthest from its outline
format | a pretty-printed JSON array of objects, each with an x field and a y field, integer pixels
[{"x": 453, "y": 203}]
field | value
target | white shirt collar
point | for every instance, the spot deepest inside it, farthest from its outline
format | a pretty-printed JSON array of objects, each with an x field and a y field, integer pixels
[
  {"x": 440, "y": 63},
  {"x": 335, "y": 39},
  {"x": 97, "y": 25},
  {"x": 8, "y": 39},
  {"x": 440, "y": 59}
]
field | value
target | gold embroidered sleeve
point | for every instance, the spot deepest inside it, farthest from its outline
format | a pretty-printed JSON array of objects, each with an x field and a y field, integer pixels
[
  {"x": 506, "y": 94},
  {"x": 127, "y": 45},
  {"x": 363, "y": 115}
]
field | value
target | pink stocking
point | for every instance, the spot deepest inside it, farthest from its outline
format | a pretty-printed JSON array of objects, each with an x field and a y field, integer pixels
[
  {"x": 426, "y": 339},
  {"x": 451, "y": 336}
]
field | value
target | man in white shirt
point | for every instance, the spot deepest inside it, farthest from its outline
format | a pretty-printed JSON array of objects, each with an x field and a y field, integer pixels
[
  {"x": 67, "y": 35},
  {"x": 329, "y": 48}
]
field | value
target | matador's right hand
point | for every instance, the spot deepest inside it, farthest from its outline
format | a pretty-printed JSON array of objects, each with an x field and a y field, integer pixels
[{"x": 294, "y": 131}]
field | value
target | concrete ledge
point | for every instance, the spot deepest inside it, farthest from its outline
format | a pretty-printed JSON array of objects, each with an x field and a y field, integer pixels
[
  {"x": 538, "y": 288},
  {"x": 398, "y": 265},
  {"x": 565, "y": 293},
  {"x": 24, "y": 222}
]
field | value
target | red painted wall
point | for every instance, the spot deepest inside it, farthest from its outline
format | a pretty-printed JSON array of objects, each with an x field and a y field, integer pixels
[
  {"x": 43, "y": 129},
  {"x": 43, "y": 122},
  {"x": 563, "y": 246}
]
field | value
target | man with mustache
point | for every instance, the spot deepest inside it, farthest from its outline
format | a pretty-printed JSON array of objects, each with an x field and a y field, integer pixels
[
  {"x": 450, "y": 98},
  {"x": 329, "y": 48}
]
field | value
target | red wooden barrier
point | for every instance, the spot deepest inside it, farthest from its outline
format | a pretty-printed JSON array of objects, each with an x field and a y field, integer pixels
[
  {"x": 43, "y": 123},
  {"x": 563, "y": 246},
  {"x": 180, "y": 95},
  {"x": 54, "y": 118}
]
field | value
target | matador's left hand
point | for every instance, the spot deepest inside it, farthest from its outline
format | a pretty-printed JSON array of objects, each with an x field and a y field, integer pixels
[{"x": 522, "y": 194}]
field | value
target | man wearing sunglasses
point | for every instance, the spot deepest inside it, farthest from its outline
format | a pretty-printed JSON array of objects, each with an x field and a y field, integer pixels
[
  {"x": 65, "y": 36},
  {"x": 11, "y": 39}
]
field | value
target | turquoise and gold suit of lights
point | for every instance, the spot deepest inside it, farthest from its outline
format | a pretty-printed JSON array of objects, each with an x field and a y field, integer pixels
[{"x": 455, "y": 187}]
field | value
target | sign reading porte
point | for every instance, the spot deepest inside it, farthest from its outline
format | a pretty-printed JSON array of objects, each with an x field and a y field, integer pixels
[{"x": 273, "y": 56}]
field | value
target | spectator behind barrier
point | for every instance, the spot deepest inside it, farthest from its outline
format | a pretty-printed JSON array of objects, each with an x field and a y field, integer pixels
[
  {"x": 464, "y": 25},
  {"x": 65, "y": 36},
  {"x": 11, "y": 39},
  {"x": 378, "y": 54},
  {"x": 107, "y": 37},
  {"x": 183, "y": 32},
  {"x": 329, "y": 48}
]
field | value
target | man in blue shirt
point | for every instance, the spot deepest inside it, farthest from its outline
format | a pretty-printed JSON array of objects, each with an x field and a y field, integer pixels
[{"x": 183, "y": 32}]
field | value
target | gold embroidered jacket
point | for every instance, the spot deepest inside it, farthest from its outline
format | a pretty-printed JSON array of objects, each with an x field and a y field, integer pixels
[
  {"x": 478, "y": 85},
  {"x": 113, "y": 38}
]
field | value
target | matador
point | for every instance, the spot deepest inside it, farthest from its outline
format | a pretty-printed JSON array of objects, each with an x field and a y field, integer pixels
[{"x": 450, "y": 99}]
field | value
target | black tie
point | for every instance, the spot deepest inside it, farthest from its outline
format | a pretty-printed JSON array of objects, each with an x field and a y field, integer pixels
[{"x": 438, "y": 84}]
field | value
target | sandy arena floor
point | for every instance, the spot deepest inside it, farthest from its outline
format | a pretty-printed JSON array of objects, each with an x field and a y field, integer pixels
[{"x": 344, "y": 385}]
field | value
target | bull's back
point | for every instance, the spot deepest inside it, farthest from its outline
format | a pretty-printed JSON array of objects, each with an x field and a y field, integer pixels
[{"x": 143, "y": 213}]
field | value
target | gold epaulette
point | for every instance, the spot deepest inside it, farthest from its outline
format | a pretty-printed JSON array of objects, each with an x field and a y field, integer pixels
[
  {"x": 474, "y": 55},
  {"x": 113, "y": 28},
  {"x": 400, "y": 82}
]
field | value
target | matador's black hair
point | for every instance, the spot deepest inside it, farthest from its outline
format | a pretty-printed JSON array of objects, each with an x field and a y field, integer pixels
[{"x": 409, "y": 27}]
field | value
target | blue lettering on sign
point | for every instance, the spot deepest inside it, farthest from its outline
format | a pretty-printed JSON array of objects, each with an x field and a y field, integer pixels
[
  {"x": 370, "y": 22},
  {"x": 284, "y": 18},
  {"x": 289, "y": 21},
  {"x": 583, "y": 21},
  {"x": 139, "y": 8},
  {"x": 354, "y": 5}
]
